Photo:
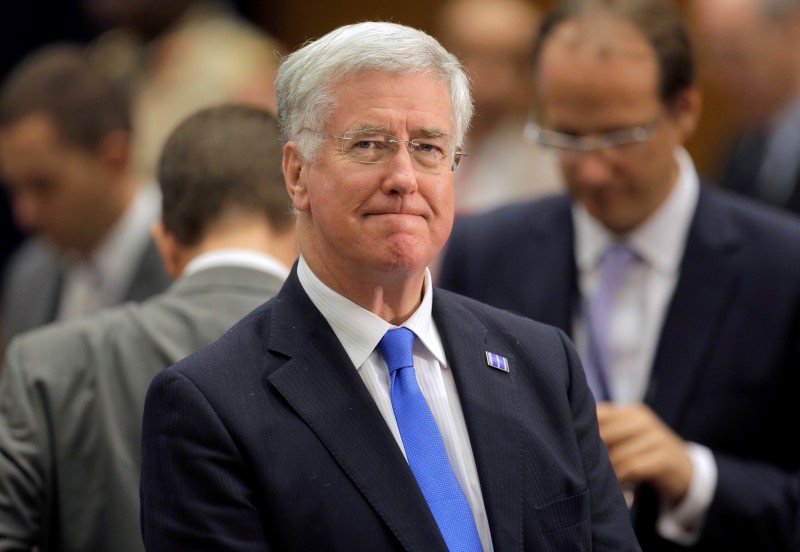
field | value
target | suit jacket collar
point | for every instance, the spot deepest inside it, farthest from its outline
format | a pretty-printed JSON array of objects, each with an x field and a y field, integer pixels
[
  {"x": 550, "y": 239},
  {"x": 231, "y": 276}
]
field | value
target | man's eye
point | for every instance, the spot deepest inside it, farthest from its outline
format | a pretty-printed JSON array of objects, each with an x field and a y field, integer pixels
[
  {"x": 430, "y": 149},
  {"x": 368, "y": 143}
]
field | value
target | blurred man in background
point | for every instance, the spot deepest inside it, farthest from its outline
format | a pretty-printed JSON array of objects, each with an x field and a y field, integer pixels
[
  {"x": 753, "y": 49},
  {"x": 71, "y": 397},
  {"x": 494, "y": 41},
  {"x": 683, "y": 302},
  {"x": 65, "y": 157}
]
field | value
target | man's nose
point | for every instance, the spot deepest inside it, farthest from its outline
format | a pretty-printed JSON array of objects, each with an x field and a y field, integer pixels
[
  {"x": 402, "y": 174},
  {"x": 591, "y": 168}
]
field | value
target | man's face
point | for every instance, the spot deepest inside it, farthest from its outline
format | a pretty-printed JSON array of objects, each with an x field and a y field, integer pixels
[
  {"x": 494, "y": 41},
  {"x": 604, "y": 79},
  {"x": 58, "y": 190},
  {"x": 386, "y": 217}
]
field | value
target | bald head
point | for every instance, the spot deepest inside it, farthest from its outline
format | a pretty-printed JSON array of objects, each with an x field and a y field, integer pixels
[{"x": 590, "y": 25}]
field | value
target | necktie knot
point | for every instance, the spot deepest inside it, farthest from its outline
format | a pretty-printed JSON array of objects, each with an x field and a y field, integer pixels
[
  {"x": 397, "y": 346},
  {"x": 619, "y": 255}
]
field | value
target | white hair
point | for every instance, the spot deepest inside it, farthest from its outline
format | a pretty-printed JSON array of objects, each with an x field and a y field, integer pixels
[{"x": 307, "y": 78}]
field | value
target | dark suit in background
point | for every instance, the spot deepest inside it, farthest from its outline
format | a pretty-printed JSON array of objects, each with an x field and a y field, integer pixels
[
  {"x": 31, "y": 290},
  {"x": 752, "y": 55},
  {"x": 745, "y": 173},
  {"x": 725, "y": 372},
  {"x": 699, "y": 340}
]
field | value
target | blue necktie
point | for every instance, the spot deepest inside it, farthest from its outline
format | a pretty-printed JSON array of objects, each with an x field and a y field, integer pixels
[{"x": 424, "y": 447}]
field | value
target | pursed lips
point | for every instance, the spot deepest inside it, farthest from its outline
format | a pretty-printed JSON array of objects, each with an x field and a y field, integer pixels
[{"x": 395, "y": 212}]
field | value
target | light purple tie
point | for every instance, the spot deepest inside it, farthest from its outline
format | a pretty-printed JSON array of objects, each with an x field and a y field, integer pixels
[{"x": 615, "y": 265}]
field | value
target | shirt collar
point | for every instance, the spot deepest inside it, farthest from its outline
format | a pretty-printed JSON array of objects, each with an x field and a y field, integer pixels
[
  {"x": 247, "y": 258},
  {"x": 660, "y": 239},
  {"x": 116, "y": 257},
  {"x": 359, "y": 330}
]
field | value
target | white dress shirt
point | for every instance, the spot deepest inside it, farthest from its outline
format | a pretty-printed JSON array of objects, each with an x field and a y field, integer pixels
[
  {"x": 359, "y": 332},
  {"x": 638, "y": 317},
  {"x": 103, "y": 280}
]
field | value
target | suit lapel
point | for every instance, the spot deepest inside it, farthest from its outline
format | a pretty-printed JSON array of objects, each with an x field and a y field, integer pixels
[
  {"x": 489, "y": 401},
  {"x": 709, "y": 275},
  {"x": 42, "y": 303},
  {"x": 549, "y": 252},
  {"x": 324, "y": 388}
]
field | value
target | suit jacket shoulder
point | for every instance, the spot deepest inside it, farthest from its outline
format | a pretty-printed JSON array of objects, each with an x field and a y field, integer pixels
[
  {"x": 71, "y": 403},
  {"x": 492, "y": 257}
]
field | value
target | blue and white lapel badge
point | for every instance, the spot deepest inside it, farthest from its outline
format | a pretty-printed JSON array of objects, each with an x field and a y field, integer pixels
[{"x": 496, "y": 361}]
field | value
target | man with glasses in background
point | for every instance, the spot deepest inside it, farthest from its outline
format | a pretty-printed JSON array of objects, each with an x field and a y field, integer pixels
[
  {"x": 361, "y": 409},
  {"x": 683, "y": 302}
]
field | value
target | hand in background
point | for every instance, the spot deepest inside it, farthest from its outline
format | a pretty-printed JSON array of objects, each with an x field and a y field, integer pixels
[{"x": 643, "y": 449}]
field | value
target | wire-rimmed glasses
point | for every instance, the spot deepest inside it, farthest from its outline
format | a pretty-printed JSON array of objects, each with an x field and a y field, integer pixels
[
  {"x": 433, "y": 154},
  {"x": 569, "y": 143}
]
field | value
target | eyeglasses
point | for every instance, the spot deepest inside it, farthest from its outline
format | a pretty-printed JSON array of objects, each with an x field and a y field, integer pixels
[
  {"x": 432, "y": 155},
  {"x": 583, "y": 144}
]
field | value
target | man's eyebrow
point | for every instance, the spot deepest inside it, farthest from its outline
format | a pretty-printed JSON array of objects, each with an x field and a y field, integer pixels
[
  {"x": 367, "y": 128},
  {"x": 427, "y": 132},
  {"x": 423, "y": 132}
]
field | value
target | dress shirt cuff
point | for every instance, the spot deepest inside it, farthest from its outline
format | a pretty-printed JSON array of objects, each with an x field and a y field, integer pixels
[{"x": 683, "y": 523}]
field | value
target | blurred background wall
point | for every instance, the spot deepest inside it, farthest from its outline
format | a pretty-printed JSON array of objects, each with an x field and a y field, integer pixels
[
  {"x": 24, "y": 25},
  {"x": 27, "y": 25}
]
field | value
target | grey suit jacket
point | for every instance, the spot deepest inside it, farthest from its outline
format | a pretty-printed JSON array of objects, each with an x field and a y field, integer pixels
[
  {"x": 32, "y": 285},
  {"x": 71, "y": 402}
]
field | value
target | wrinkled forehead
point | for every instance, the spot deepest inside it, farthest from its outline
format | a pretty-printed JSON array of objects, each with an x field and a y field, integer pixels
[{"x": 362, "y": 97}]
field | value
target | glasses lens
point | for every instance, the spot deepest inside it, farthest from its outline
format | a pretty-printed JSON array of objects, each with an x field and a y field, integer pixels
[
  {"x": 368, "y": 147},
  {"x": 430, "y": 153}
]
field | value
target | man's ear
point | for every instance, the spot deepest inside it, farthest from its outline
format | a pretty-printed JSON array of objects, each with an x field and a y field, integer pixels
[
  {"x": 295, "y": 173},
  {"x": 115, "y": 151},
  {"x": 169, "y": 249},
  {"x": 687, "y": 108}
]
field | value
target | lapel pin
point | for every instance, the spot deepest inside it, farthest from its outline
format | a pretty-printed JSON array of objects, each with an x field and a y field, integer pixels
[{"x": 496, "y": 361}]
